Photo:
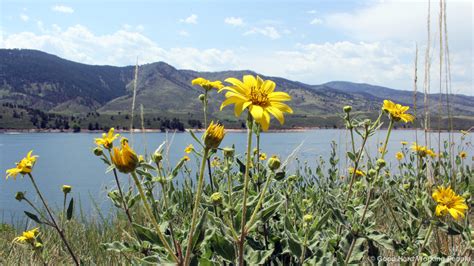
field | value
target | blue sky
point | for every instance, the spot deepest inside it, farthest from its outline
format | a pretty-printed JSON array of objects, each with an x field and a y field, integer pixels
[{"x": 310, "y": 41}]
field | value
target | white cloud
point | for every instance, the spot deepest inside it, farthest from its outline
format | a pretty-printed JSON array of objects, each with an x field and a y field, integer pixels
[
  {"x": 311, "y": 11},
  {"x": 234, "y": 21},
  {"x": 24, "y": 17},
  {"x": 268, "y": 31},
  {"x": 62, "y": 9},
  {"x": 122, "y": 47},
  {"x": 382, "y": 63},
  {"x": 190, "y": 20},
  {"x": 316, "y": 21},
  {"x": 183, "y": 33}
]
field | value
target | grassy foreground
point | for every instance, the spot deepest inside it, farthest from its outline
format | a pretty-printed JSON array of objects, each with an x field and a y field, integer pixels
[{"x": 247, "y": 209}]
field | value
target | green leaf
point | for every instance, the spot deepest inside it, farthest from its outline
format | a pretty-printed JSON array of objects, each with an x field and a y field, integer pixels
[
  {"x": 270, "y": 211},
  {"x": 117, "y": 246},
  {"x": 293, "y": 245},
  {"x": 196, "y": 138},
  {"x": 241, "y": 166},
  {"x": 198, "y": 235},
  {"x": 358, "y": 251},
  {"x": 319, "y": 224},
  {"x": 382, "y": 239},
  {"x": 147, "y": 234},
  {"x": 70, "y": 209},
  {"x": 223, "y": 247},
  {"x": 33, "y": 217},
  {"x": 351, "y": 156},
  {"x": 258, "y": 257}
]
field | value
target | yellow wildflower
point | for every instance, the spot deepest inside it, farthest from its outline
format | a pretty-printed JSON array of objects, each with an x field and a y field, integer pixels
[
  {"x": 463, "y": 155},
  {"x": 422, "y": 151},
  {"x": 263, "y": 156},
  {"x": 107, "y": 140},
  {"x": 259, "y": 97},
  {"x": 358, "y": 172},
  {"x": 125, "y": 159},
  {"x": 207, "y": 84},
  {"x": 214, "y": 135},
  {"x": 449, "y": 202},
  {"x": 399, "y": 156},
  {"x": 25, "y": 166},
  {"x": 404, "y": 143},
  {"x": 185, "y": 158},
  {"x": 27, "y": 236},
  {"x": 189, "y": 148},
  {"x": 397, "y": 111}
]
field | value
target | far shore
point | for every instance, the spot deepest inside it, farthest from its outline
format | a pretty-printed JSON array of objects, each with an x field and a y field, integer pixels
[{"x": 295, "y": 129}]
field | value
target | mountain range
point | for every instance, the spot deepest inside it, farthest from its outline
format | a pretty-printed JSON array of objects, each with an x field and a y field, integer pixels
[{"x": 50, "y": 85}]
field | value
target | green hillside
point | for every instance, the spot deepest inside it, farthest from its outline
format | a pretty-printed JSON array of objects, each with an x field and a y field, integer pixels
[{"x": 39, "y": 90}]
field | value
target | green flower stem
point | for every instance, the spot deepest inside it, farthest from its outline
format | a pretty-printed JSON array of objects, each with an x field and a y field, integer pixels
[
  {"x": 64, "y": 210},
  {"x": 124, "y": 204},
  {"x": 259, "y": 203},
  {"x": 303, "y": 246},
  {"x": 196, "y": 206},
  {"x": 427, "y": 237},
  {"x": 152, "y": 217},
  {"x": 356, "y": 166},
  {"x": 165, "y": 200},
  {"x": 369, "y": 194},
  {"x": 55, "y": 225},
  {"x": 246, "y": 184}
]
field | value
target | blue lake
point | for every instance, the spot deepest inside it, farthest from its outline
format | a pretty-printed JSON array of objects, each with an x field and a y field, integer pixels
[{"x": 67, "y": 158}]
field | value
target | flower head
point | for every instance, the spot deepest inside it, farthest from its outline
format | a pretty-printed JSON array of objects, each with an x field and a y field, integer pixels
[
  {"x": 422, "y": 151},
  {"x": 397, "y": 112},
  {"x": 399, "y": 156},
  {"x": 185, "y": 158},
  {"x": 358, "y": 173},
  {"x": 214, "y": 135},
  {"x": 263, "y": 156},
  {"x": 449, "y": 202},
  {"x": 307, "y": 218},
  {"x": 107, "y": 140},
  {"x": 274, "y": 163},
  {"x": 125, "y": 159},
  {"x": 25, "y": 166},
  {"x": 259, "y": 97},
  {"x": 207, "y": 84},
  {"x": 463, "y": 155},
  {"x": 66, "y": 189},
  {"x": 216, "y": 198},
  {"x": 189, "y": 148},
  {"x": 27, "y": 236},
  {"x": 403, "y": 143}
]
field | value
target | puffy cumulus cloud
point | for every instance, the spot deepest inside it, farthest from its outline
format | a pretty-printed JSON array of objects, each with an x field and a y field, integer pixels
[
  {"x": 234, "y": 21},
  {"x": 192, "y": 19},
  {"x": 268, "y": 31},
  {"x": 24, "y": 17},
  {"x": 316, "y": 21},
  {"x": 62, "y": 9},
  {"x": 405, "y": 20},
  {"x": 122, "y": 47}
]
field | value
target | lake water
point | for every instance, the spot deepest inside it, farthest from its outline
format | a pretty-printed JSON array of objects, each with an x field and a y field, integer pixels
[{"x": 67, "y": 158}]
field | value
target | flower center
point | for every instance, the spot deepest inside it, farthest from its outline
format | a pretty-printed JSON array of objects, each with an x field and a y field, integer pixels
[{"x": 257, "y": 97}]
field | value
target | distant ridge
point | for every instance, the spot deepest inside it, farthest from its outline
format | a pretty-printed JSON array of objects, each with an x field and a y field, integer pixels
[{"x": 51, "y": 84}]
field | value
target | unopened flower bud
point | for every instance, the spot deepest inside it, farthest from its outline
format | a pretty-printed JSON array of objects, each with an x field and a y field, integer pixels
[
  {"x": 274, "y": 163},
  {"x": 347, "y": 108},
  {"x": 372, "y": 172},
  {"x": 157, "y": 157},
  {"x": 216, "y": 198},
  {"x": 466, "y": 195},
  {"x": 98, "y": 151},
  {"x": 202, "y": 97},
  {"x": 214, "y": 135},
  {"x": 20, "y": 196},
  {"x": 229, "y": 152},
  {"x": 381, "y": 163},
  {"x": 66, "y": 189},
  {"x": 307, "y": 218}
]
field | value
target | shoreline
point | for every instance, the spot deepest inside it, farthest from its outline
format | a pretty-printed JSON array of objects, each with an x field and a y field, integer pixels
[{"x": 296, "y": 129}]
